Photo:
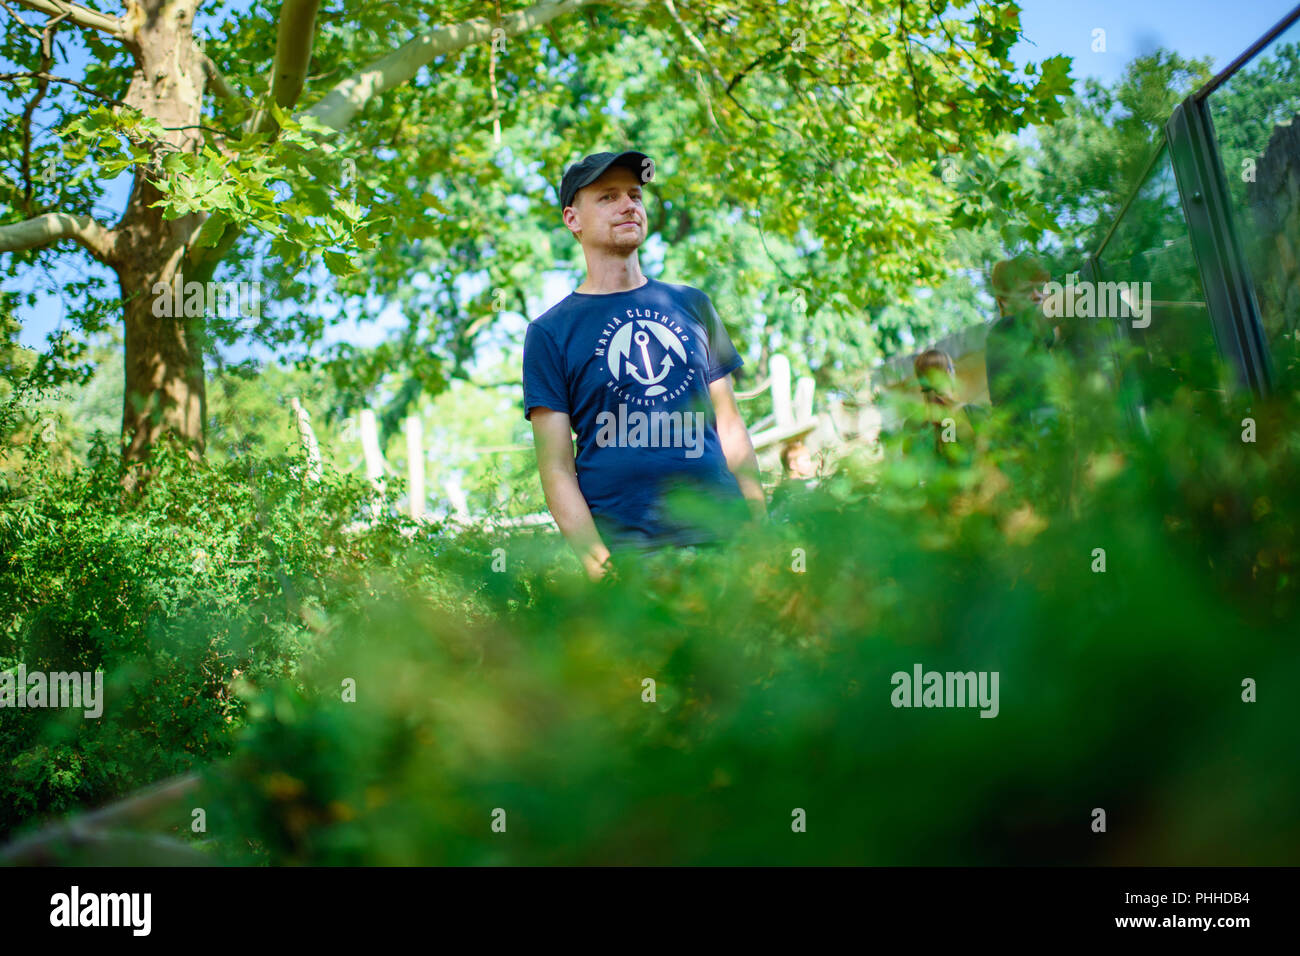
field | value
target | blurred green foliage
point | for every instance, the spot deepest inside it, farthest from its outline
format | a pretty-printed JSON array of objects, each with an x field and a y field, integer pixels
[
  {"x": 1120, "y": 689},
  {"x": 489, "y": 678}
]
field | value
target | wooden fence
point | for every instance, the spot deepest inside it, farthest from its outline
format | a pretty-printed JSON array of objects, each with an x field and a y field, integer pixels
[{"x": 792, "y": 417}]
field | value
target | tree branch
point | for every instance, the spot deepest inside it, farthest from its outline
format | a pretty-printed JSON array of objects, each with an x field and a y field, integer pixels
[
  {"x": 54, "y": 226},
  {"x": 81, "y": 16},
  {"x": 42, "y": 84},
  {"x": 218, "y": 82},
  {"x": 699, "y": 46},
  {"x": 911, "y": 68},
  {"x": 203, "y": 262},
  {"x": 741, "y": 75},
  {"x": 88, "y": 828},
  {"x": 49, "y": 78},
  {"x": 337, "y": 108},
  {"x": 293, "y": 43},
  {"x": 26, "y": 26}
]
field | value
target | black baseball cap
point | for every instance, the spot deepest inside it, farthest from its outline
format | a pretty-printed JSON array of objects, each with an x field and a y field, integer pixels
[{"x": 587, "y": 170}]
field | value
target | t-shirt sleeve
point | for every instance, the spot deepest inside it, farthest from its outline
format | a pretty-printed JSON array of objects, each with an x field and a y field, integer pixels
[
  {"x": 544, "y": 384},
  {"x": 723, "y": 357}
]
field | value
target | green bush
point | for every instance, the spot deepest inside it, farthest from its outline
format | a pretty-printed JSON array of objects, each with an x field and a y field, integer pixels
[
  {"x": 489, "y": 674},
  {"x": 209, "y": 576},
  {"x": 1120, "y": 690}
]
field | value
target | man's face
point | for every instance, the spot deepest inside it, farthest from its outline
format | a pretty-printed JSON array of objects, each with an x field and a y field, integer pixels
[
  {"x": 937, "y": 380},
  {"x": 609, "y": 213},
  {"x": 1025, "y": 295}
]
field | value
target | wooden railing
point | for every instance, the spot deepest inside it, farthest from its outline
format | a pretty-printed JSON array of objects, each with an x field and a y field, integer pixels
[
  {"x": 107, "y": 836},
  {"x": 792, "y": 414},
  {"x": 792, "y": 417}
]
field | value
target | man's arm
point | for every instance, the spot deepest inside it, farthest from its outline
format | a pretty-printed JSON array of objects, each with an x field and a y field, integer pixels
[
  {"x": 551, "y": 437},
  {"x": 736, "y": 446}
]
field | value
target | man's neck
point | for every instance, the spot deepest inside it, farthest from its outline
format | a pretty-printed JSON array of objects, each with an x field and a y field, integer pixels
[
  {"x": 613, "y": 275},
  {"x": 1031, "y": 317}
]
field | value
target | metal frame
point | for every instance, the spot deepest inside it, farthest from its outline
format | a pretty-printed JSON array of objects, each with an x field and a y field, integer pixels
[
  {"x": 1273, "y": 33},
  {"x": 1216, "y": 247},
  {"x": 1157, "y": 148},
  {"x": 1220, "y": 258}
]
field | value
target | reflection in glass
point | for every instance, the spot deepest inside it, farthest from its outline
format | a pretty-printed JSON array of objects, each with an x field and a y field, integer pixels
[
  {"x": 1256, "y": 117},
  {"x": 1150, "y": 245}
]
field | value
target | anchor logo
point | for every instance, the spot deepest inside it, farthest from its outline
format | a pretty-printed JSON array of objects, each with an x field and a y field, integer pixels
[
  {"x": 642, "y": 339},
  {"x": 639, "y": 364}
]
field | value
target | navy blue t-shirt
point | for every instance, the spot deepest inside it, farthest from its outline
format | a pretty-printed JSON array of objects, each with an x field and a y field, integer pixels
[{"x": 632, "y": 371}]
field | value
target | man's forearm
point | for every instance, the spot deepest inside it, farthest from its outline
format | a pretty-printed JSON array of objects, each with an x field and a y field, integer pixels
[
  {"x": 743, "y": 463},
  {"x": 569, "y": 509}
]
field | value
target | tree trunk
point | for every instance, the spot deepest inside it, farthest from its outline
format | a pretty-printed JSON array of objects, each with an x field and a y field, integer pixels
[
  {"x": 165, "y": 392},
  {"x": 165, "y": 388}
]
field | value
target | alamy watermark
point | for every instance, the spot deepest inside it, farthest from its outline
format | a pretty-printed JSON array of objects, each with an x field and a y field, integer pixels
[
  {"x": 1098, "y": 300},
  {"x": 923, "y": 688},
  {"x": 638, "y": 429},
  {"x": 192, "y": 300},
  {"x": 75, "y": 909},
  {"x": 24, "y": 688}
]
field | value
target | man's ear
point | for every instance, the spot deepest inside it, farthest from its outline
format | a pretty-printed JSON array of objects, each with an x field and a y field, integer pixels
[{"x": 571, "y": 217}]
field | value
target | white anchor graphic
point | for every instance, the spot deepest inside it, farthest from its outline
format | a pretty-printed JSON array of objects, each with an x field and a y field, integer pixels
[
  {"x": 642, "y": 339},
  {"x": 636, "y": 335}
]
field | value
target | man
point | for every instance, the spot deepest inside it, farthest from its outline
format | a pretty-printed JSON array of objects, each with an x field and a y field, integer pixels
[
  {"x": 938, "y": 424},
  {"x": 641, "y": 371},
  {"x": 800, "y": 477},
  {"x": 1016, "y": 352}
]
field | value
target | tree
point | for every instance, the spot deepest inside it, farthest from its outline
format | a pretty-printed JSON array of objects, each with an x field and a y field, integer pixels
[
  {"x": 826, "y": 122},
  {"x": 1091, "y": 163}
]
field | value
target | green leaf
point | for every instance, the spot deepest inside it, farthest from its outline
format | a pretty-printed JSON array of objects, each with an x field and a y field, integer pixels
[
  {"x": 209, "y": 232},
  {"x": 340, "y": 264},
  {"x": 351, "y": 210}
]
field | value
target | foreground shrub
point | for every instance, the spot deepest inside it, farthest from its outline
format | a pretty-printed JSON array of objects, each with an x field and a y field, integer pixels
[
  {"x": 774, "y": 692},
  {"x": 208, "y": 576}
]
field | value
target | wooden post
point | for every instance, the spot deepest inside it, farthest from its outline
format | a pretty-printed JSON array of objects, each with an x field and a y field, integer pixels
[
  {"x": 803, "y": 398},
  {"x": 308, "y": 438},
  {"x": 374, "y": 457},
  {"x": 456, "y": 496},
  {"x": 370, "y": 446},
  {"x": 779, "y": 372},
  {"x": 415, "y": 464}
]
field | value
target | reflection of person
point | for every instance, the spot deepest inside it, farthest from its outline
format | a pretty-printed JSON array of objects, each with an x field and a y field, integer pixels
[
  {"x": 939, "y": 422},
  {"x": 797, "y": 461},
  {"x": 800, "y": 474},
  {"x": 1020, "y": 341},
  {"x": 640, "y": 370}
]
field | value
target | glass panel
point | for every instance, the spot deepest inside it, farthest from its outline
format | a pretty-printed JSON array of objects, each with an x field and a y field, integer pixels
[
  {"x": 1150, "y": 245},
  {"x": 1256, "y": 119}
]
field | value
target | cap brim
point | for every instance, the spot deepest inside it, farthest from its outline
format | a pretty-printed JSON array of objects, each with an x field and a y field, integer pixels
[{"x": 632, "y": 159}]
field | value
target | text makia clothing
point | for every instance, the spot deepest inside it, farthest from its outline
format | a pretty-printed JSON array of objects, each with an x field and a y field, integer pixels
[{"x": 632, "y": 371}]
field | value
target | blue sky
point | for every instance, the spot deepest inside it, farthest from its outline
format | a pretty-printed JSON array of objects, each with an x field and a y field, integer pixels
[
  {"x": 1193, "y": 28},
  {"x": 1132, "y": 27}
]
